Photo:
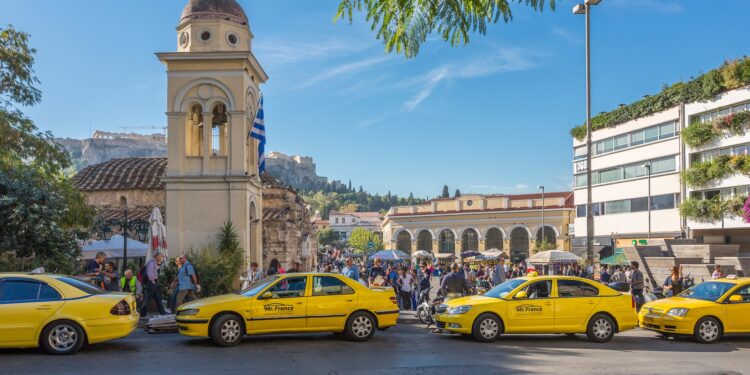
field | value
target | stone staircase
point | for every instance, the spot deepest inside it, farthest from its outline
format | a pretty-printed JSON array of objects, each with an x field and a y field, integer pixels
[{"x": 698, "y": 260}]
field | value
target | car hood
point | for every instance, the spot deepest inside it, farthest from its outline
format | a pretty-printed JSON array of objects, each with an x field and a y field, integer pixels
[
  {"x": 222, "y": 299},
  {"x": 472, "y": 300},
  {"x": 676, "y": 302}
]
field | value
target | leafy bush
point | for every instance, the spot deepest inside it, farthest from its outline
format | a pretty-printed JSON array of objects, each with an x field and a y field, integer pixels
[
  {"x": 701, "y": 173},
  {"x": 731, "y": 75},
  {"x": 701, "y": 133},
  {"x": 712, "y": 210},
  {"x": 219, "y": 266}
]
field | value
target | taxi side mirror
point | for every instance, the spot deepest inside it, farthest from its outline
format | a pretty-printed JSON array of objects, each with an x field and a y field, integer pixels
[
  {"x": 266, "y": 295},
  {"x": 736, "y": 299},
  {"x": 521, "y": 295}
]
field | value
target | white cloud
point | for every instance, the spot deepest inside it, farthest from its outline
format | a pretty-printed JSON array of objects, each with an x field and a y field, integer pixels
[
  {"x": 282, "y": 51},
  {"x": 521, "y": 187},
  {"x": 502, "y": 60},
  {"x": 344, "y": 69},
  {"x": 567, "y": 35}
]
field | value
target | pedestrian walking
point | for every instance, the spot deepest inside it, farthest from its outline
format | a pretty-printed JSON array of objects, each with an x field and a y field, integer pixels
[
  {"x": 498, "y": 273},
  {"x": 637, "y": 284},
  {"x": 187, "y": 282},
  {"x": 376, "y": 275},
  {"x": 274, "y": 268},
  {"x": 405, "y": 284},
  {"x": 150, "y": 277}
]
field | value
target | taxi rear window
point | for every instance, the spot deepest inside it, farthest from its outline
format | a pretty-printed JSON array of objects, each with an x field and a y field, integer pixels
[{"x": 80, "y": 285}]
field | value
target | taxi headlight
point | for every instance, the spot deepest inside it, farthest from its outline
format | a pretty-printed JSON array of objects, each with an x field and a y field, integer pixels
[
  {"x": 458, "y": 310},
  {"x": 680, "y": 311},
  {"x": 188, "y": 312}
]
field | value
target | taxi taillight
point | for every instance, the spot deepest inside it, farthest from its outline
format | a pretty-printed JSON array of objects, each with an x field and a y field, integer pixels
[
  {"x": 395, "y": 302},
  {"x": 632, "y": 301},
  {"x": 121, "y": 308}
]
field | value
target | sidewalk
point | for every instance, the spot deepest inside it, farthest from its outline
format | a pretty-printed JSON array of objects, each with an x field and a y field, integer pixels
[{"x": 408, "y": 317}]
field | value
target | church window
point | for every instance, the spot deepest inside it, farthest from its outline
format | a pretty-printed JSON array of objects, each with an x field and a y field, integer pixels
[
  {"x": 206, "y": 35},
  {"x": 233, "y": 39},
  {"x": 219, "y": 131},
  {"x": 194, "y": 133}
]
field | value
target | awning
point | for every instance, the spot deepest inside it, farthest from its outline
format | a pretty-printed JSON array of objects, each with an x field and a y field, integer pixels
[
  {"x": 113, "y": 248},
  {"x": 618, "y": 259}
]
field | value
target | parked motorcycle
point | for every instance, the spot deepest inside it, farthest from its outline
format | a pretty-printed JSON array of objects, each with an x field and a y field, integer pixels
[{"x": 426, "y": 310}]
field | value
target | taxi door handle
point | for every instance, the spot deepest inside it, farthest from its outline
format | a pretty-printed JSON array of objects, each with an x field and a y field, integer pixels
[
  {"x": 43, "y": 307},
  {"x": 299, "y": 303},
  {"x": 548, "y": 303},
  {"x": 350, "y": 300},
  {"x": 591, "y": 302}
]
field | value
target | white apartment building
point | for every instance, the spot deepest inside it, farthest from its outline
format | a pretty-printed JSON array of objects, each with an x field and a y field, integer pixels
[
  {"x": 735, "y": 230},
  {"x": 620, "y": 178},
  {"x": 343, "y": 223},
  {"x": 621, "y": 183}
]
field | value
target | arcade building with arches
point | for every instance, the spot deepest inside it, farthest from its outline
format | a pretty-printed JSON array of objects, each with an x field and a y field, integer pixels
[{"x": 514, "y": 224}]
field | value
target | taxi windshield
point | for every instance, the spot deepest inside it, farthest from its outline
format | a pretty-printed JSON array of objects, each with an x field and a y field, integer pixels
[
  {"x": 257, "y": 286},
  {"x": 708, "y": 291},
  {"x": 503, "y": 289}
]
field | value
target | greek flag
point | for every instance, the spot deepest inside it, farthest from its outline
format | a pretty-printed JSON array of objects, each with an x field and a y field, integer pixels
[{"x": 259, "y": 132}]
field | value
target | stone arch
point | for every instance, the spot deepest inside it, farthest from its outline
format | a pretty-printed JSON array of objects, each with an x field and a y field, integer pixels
[
  {"x": 180, "y": 99},
  {"x": 469, "y": 240},
  {"x": 519, "y": 243},
  {"x": 493, "y": 238},
  {"x": 550, "y": 234},
  {"x": 463, "y": 230},
  {"x": 424, "y": 240},
  {"x": 194, "y": 128},
  {"x": 550, "y": 226},
  {"x": 398, "y": 231},
  {"x": 403, "y": 241},
  {"x": 514, "y": 226},
  {"x": 447, "y": 241}
]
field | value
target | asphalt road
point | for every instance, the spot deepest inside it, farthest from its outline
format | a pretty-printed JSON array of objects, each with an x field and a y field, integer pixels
[{"x": 405, "y": 349}]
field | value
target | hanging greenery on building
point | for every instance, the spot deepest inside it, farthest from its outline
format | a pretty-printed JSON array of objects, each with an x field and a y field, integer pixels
[
  {"x": 700, "y": 133},
  {"x": 731, "y": 75}
]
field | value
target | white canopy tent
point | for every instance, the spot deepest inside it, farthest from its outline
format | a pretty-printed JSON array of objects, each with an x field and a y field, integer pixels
[
  {"x": 113, "y": 248},
  {"x": 553, "y": 256}
]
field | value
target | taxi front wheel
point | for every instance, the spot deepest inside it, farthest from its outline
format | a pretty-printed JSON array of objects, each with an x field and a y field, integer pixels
[
  {"x": 227, "y": 330},
  {"x": 360, "y": 326},
  {"x": 601, "y": 328},
  {"x": 707, "y": 331},
  {"x": 487, "y": 328}
]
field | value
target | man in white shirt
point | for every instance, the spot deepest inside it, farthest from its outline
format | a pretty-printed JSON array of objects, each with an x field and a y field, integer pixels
[
  {"x": 406, "y": 283},
  {"x": 254, "y": 274}
]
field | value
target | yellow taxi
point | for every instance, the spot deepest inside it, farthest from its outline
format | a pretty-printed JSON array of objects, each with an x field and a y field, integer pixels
[
  {"x": 60, "y": 313},
  {"x": 545, "y": 304},
  {"x": 298, "y": 302},
  {"x": 706, "y": 311}
]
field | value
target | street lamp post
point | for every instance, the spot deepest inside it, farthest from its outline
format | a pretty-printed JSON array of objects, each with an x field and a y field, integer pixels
[
  {"x": 126, "y": 224},
  {"x": 648, "y": 170},
  {"x": 544, "y": 233},
  {"x": 585, "y": 9}
]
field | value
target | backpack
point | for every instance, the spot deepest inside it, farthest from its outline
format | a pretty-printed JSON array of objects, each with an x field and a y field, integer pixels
[{"x": 141, "y": 276}]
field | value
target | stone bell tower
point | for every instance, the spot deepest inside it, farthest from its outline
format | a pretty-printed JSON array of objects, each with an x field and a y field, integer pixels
[{"x": 213, "y": 88}]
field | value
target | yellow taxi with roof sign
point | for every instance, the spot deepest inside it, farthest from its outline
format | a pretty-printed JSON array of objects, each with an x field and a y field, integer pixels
[
  {"x": 706, "y": 311},
  {"x": 543, "y": 304},
  {"x": 297, "y": 302}
]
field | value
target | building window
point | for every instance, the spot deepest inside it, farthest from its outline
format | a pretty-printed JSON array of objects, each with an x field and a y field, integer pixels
[
  {"x": 711, "y": 154},
  {"x": 194, "y": 133},
  {"x": 424, "y": 241},
  {"x": 447, "y": 242},
  {"x": 638, "y": 137},
  {"x": 640, "y": 204},
  {"x": 549, "y": 235},
  {"x": 708, "y": 116},
  {"x": 470, "y": 240},
  {"x": 403, "y": 242},
  {"x": 625, "y": 172},
  {"x": 494, "y": 239},
  {"x": 220, "y": 138}
]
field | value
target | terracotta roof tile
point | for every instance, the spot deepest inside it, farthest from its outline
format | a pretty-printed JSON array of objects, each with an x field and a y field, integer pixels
[{"x": 122, "y": 174}]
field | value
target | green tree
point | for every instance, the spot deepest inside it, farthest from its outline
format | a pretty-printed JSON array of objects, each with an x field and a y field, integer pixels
[
  {"x": 446, "y": 192},
  {"x": 361, "y": 237},
  {"x": 327, "y": 236},
  {"x": 457, "y": 194},
  {"x": 404, "y": 25},
  {"x": 41, "y": 210}
]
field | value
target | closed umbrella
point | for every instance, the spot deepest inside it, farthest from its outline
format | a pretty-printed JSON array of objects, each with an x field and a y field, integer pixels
[{"x": 157, "y": 233}]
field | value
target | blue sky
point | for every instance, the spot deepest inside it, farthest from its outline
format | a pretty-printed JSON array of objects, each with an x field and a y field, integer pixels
[{"x": 491, "y": 117}]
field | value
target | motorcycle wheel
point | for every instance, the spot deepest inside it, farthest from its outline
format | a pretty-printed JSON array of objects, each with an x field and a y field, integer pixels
[{"x": 423, "y": 315}]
